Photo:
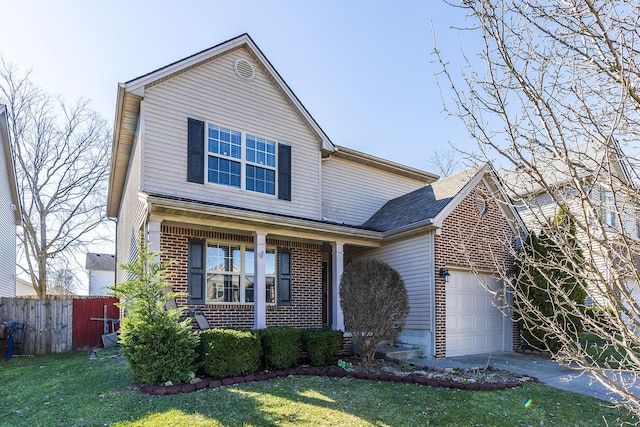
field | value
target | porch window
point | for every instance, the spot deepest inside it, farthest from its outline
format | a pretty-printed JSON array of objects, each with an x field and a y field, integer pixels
[{"x": 230, "y": 273}]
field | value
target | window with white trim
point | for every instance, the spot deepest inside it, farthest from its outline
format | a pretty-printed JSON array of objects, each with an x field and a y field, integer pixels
[
  {"x": 607, "y": 205},
  {"x": 230, "y": 273},
  {"x": 240, "y": 160}
]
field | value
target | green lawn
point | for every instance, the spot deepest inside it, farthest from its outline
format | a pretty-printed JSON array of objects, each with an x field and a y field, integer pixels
[{"x": 70, "y": 390}]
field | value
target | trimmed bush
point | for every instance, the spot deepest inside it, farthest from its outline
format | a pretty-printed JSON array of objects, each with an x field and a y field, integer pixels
[
  {"x": 281, "y": 346},
  {"x": 229, "y": 352},
  {"x": 323, "y": 345}
]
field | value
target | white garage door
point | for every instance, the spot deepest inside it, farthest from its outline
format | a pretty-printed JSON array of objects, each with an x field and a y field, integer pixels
[{"x": 474, "y": 324}]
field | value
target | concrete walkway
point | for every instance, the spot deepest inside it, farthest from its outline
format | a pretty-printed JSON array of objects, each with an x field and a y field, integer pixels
[{"x": 545, "y": 370}]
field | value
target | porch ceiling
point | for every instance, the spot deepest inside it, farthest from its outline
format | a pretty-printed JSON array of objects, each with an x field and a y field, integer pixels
[{"x": 244, "y": 222}]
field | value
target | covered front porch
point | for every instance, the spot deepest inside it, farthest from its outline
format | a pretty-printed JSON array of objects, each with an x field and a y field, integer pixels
[{"x": 284, "y": 271}]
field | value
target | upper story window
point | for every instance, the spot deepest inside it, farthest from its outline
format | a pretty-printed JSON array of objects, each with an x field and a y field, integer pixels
[
  {"x": 607, "y": 206},
  {"x": 223, "y": 156},
  {"x": 239, "y": 160}
]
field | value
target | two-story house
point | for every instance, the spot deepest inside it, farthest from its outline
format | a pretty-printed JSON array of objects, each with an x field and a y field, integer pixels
[
  {"x": 217, "y": 164},
  {"x": 10, "y": 214},
  {"x": 592, "y": 182}
]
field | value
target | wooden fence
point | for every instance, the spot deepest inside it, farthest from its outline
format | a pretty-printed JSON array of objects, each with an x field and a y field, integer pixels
[{"x": 52, "y": 323}]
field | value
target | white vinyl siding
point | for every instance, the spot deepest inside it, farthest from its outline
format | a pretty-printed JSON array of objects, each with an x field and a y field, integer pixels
[
  {"x": 412, "y": 258},
  {"x": 352, "y": 193},
  {"x": 213, "y": 93},
  {"x": 7, "y": 233},
  {"x": 132, "y": 212}
]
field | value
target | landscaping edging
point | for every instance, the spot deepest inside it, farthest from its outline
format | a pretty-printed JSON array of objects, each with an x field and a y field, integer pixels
[{"x": 161, "y": 390}]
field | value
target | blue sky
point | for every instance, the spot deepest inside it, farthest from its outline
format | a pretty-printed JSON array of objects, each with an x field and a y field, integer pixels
[{"x": 363, "y": 69}]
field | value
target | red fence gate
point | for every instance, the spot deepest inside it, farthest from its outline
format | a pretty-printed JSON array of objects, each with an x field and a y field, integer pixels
[{"x": 88, "y": 333}]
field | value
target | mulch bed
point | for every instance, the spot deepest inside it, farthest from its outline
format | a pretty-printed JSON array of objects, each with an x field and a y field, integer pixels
[{"x": 485, "y": 379}]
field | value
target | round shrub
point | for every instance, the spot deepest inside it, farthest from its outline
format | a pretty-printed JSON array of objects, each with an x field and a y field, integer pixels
[{"x": 375, "y": 304}]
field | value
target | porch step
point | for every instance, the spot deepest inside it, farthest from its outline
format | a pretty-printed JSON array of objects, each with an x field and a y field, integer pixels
[{"x": 398, "y": 353}]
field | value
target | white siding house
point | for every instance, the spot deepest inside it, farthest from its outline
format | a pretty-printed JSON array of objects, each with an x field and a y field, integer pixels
[
  {"x": 9, "y": 211},
  {"x": 101, "y": 269}
]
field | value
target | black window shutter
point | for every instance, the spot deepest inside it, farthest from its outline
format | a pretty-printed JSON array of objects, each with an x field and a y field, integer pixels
[
  {"x": 284, "y": 279},
  {"x": 284, "y": 172},
  {"x": 195, "y": 156},
  {"x": 197, "y": 271}
]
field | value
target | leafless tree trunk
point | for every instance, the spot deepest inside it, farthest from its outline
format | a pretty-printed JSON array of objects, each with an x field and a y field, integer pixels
[
  {"x": 61, "y": 154},
  {"x": 554, "y": 98}
]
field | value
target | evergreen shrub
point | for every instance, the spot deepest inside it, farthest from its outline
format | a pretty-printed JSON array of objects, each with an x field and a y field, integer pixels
[
  {"x": 229, "y": 352},
  {"x": 322, "y": 344},
  {"x": 281, "y": 346}
]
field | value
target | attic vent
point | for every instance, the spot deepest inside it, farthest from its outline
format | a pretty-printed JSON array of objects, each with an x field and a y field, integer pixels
[
  {"x": 243, "y": 69},
  {"x": 481, "y": 206}
]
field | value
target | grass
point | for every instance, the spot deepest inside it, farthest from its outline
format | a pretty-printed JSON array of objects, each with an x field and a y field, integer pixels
[{"x": 70, "y": 390}]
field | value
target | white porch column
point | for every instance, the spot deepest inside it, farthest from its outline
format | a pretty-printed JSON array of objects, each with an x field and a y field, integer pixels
[
  {"x": 153, "y": 234},
  {"x": 259, "y": 281},
  {"x": 337, "y": 266}
]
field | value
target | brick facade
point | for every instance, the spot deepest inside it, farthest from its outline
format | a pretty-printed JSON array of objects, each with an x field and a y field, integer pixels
[
  {"x": 470, "y": 240},
  {"x": 306, "y": 308}
]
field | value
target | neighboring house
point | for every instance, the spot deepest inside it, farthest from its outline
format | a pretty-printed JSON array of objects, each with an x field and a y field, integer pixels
[
  {"x": 101, "y": 269},
  {"x": 604, "y": 174},
  {"x": 24, "y": 288},
  {"x": 10, "y": 215},
  {"x": 218, "y": 165}
]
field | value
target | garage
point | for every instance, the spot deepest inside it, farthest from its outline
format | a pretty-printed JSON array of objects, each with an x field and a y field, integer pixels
[{"x": 473, "y": 322}]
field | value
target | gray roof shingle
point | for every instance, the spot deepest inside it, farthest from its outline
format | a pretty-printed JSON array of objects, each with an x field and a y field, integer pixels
[
  {"x": 100, "y": 262},
  {"x": 420, "y": 205}
]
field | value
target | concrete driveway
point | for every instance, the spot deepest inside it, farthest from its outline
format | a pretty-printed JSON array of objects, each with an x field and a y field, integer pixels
[{"x": 545, "y": 370}]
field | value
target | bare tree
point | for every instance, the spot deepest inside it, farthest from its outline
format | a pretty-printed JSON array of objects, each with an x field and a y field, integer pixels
[
  {"x": 446, "y": 162},
  {"x": 62, "y": 163},
  {"x": 62, "y": 279},
  {"x": 554, "y": 97}
]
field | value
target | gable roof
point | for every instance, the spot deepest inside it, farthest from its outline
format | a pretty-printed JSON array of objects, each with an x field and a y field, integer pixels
[
  {"x": 9, "y": 166},
  {"x": 100, "y": 262},
  {"x": 131, "y": 93},
  {"x": 581, "y": 162},
  {"x": 430, "y": 204}
]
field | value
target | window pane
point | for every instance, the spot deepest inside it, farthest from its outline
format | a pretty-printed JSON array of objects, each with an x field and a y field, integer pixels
[
  {"x": 271, "y": 290},
  {"x": 231, "y": 288},
  {"x": 224, "y": 141},
  {"x": 260, "y": 180},
  {"x": 248, "y": 289},
  {"x": 248, "y": 261},
  {"x": 270, "y": 262},
  {"x": 223, "y": 171},
  {"x": 215, "y": 287},
  {"x": 261, "y": 151},
  {"x": 223, "y": 257}
]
